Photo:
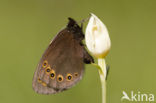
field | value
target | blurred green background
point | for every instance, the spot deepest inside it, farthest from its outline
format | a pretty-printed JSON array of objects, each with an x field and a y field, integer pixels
[{"x": 27, "y": 27}]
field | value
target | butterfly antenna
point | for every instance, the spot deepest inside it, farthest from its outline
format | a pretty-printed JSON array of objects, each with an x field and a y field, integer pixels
[{"x": 84, "y": 20}]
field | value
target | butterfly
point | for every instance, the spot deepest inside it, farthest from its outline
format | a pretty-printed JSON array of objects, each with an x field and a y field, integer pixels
[{"x": 62, "y": 64}]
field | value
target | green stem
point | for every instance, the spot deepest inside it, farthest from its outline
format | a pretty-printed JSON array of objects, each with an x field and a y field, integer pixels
[{"x": 102, "y": 72}]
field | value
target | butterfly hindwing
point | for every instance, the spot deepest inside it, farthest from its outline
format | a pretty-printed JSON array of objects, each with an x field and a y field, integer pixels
[{"x": 62, "y": 64}]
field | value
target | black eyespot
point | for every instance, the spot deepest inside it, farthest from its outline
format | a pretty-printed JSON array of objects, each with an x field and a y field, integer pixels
[
  {"x": 69, "y": 77},
  {"x": 45, "y": 63},
  {"x": 76, "y": 74},
  {"x": 52, "y": 75},
  {"x": 48, "y": 70},
  {"x": 60, "y": 78}
]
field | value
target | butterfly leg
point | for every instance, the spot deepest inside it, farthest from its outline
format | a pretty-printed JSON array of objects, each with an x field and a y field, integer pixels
[{"x": 88, "y": 59}]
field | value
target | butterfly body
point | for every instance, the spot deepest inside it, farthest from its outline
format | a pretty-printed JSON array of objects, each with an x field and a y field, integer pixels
[{"x": 62, "y": 64}]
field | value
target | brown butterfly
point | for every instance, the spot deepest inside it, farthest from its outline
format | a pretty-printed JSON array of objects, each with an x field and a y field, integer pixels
[{"x": 62, "y": 64}]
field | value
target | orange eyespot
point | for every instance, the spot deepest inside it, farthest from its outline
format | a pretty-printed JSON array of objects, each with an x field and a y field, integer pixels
[
  {"x": 48, "y": 69},
  {"x": 60, "y": 78},
  {"x": 69, "y": 77},
  {"x": 75, "y": 74},
  {"x": 52, "y": 74},
  {"x": 44, "y": 84},
  {"x": 45, "y": 63},
  {"x": 39, "y": 80}
]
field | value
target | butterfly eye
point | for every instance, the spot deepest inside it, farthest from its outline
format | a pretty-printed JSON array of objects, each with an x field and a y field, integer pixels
[
  {"x": 76, "y": 74},
  {"x": 45, "y": 63},
  {"x": 48, "y": 69},
  {"x": 60, "y": 78},
  {"x": 69, "y": 77},
  {"x": 52, "y": 74}
]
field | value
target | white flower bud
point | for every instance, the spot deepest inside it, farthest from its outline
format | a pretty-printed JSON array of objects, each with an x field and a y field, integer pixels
[{"x": 97, "y": 37}]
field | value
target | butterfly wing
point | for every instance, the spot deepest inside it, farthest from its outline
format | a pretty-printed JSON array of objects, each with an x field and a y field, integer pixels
[{"x": 61, "y": 66}]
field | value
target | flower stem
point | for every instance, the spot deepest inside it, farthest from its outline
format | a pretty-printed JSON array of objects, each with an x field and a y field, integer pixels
[{"x": 102, "y": 72}]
